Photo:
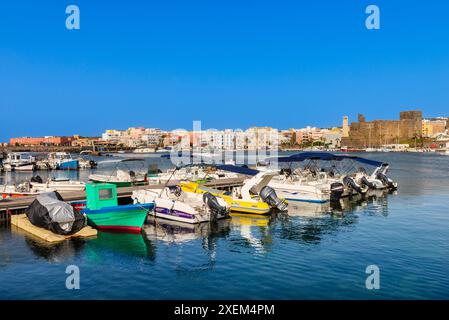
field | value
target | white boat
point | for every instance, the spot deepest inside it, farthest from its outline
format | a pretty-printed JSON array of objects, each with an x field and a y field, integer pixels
[
  {"x": 144, "y": 150},
  {"x": 19, "y": 161},
  {"x": 119, "y": 176},
  {"x": 319, "y": 184},
  {"x": 302, "y": 188},
  {"x": 22, "y": 189},
  {"x": 60, "y": 185},
  {"x": 174, "y": 204},
  {"x": 189, "y": 173}
]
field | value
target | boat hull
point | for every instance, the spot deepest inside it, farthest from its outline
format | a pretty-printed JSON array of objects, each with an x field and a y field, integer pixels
[
  {"x": 129, "y": 218},
  {"x": 69, "y": 165},
  {"x": 235, "y": 205}
]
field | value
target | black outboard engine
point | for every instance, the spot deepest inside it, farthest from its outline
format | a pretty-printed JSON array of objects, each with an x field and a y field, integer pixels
[
  {"x": 386, "y": 181},
  {"x": 216, "y": 209},
  {"x": 350, "y": 183},
  {"x": 337, "y": 190},
  {"x": 366, "y": 183},
  {"x": 92, "y": 164},
  {"x": 287, "y": 172},
  {"x": 132, "y": 174},
  {"x": 36, "y": 179},
  {"x": 269, "y": 196}
]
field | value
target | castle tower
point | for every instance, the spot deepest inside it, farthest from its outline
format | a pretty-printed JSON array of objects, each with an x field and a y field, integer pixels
[{"x": 345, "y": 127}]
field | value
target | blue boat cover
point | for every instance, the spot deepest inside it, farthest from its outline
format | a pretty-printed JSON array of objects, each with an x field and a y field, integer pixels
[
  {"x": 326, "y": 156},
  {"x": 236, "y": 169}
]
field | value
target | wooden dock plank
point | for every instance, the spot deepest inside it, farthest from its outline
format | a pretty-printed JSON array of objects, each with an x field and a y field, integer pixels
[{"x": 23, "y": 202}]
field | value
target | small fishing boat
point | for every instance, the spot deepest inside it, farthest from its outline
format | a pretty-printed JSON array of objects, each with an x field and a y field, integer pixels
[
  {"x": 119, "y": 176},
  {"x": 19, "y": 161},
  {"x": 104, "y": 213},
  {"x": 59, "y": 185},
  {"x": 62, "y": 161},
  {"x": 22, "y": 189}
]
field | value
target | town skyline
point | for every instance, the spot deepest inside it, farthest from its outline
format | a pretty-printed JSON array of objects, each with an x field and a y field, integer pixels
[{"x": 363, "y": 133}]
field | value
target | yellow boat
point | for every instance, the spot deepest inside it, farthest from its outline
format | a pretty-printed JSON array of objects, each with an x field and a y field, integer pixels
[
  {"x": 249, "y": 198},
  {"x": 254, "y": 206}
]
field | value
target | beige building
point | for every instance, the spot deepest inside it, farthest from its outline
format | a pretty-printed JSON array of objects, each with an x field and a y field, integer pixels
[{"x": 432, "y": 127}]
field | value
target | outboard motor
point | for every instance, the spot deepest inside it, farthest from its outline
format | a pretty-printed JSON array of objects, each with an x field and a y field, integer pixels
[
  {"x": 215, "y": 208},
  {"x": 337, "y": 190},
  {"x": 92, "y": 164},
  {"x": 269, "y": 196},
  {"x": 176, "y": 190},
  {"x": 386, "y": 181},
  {"x": 350, "y": 183},
  {"x": 287, "y": 172},
  {"x": 367, "y": 183},
  {"x": 36, "y": 179},
  {"x": 132, "y": 174}
]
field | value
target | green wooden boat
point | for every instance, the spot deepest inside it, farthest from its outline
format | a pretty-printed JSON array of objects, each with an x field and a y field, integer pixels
[{"x": 104, "y": 213}]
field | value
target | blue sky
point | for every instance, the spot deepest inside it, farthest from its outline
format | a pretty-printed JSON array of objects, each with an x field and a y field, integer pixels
[{"x": 228, "y": 63}]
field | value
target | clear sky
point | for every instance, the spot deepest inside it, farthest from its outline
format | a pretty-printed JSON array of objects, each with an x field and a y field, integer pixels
[{"x": 228, "y": 63}]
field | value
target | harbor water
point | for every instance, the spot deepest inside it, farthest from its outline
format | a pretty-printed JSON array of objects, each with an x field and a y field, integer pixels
[{"x": 310, "y": 252}]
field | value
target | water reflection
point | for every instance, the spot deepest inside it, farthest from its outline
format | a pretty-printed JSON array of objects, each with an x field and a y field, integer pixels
[
  {"x": 254, "y": 230},
  {"x": 309, "y": 223},
  {"x": 130, "y": 244},
  {"x": 304, "y": 223},
  {"x": 134, "y": 245}
]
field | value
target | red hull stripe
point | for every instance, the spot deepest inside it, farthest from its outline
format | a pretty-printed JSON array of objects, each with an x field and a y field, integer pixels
[{"x": 122, "y": 228}]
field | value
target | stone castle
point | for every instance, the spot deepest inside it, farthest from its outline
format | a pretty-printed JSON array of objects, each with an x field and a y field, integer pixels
[{"x": 366, "y": 134}]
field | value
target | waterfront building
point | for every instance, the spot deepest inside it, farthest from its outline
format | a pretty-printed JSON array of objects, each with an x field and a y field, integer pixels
[
  {"x": 432, "y": 127},
  {"x": 364, "y": 134},
  {"x": 41, "y": 141},
  {"x": 262, "y": 138}
]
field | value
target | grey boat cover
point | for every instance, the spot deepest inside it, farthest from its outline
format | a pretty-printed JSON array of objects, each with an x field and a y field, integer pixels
[{"x": 49, "y": 211}]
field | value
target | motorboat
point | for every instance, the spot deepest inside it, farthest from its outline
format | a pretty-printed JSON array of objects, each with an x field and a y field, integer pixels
[
  {"x": 86, "y": 163},
  {"x": 60, "y": 185},
  {"x": 22, "y": 189},
  {"x": 318, "y": 182},
  {"x": 62, "y": 161},
  {"x": 19, "y": 161},
  {"x": 255, "y": 196},
  {"x": 174, "y": 204},
  {"x": 199, "y": 174},
  {"x": 120, "y": 176},
  {"x": 144, "y": 150}
]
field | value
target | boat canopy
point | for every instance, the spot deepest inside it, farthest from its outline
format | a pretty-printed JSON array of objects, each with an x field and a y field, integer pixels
[
  {"x": 121, "y": 160},
  {"x": 237, "y": 169},
  {"x": 224, "y": 167},
  {"x": 326, "y": 156}
]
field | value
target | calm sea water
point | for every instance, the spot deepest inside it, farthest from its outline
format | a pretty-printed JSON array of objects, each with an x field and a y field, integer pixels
[{"x": 312, "y": 252}]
